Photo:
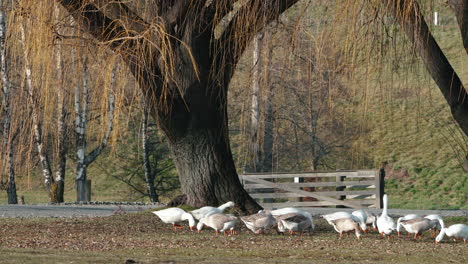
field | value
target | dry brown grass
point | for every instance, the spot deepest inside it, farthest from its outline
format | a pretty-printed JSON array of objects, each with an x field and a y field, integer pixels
[{"x": 144, "y": 238}]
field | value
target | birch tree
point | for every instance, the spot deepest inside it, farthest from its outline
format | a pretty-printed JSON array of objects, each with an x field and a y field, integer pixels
[
  {"x": 81, "y": 119},
  {"x": 62, "y": 114},
  {"x": 8, "y": 138},
  {"x": 35, "y": 114},
  {"x": 255, "y": 105}
]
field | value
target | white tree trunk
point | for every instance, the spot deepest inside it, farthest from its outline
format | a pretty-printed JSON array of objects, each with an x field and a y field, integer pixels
[
  {"x": 81, "y": 111},
  {"x": 255, "y": 108},
  {"x": 45, "y": 165},
  {"x": 61, "y": 122},
  {"x": 6, "y": 115}
]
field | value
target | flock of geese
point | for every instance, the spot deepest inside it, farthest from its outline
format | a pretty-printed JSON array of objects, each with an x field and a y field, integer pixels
[{"x": 294, "y": 220}]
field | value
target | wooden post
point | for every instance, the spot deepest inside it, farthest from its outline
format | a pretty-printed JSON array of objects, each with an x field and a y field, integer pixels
[
  {"x": 379, "y": 187},
  {"x": 340, "y": 188},
  {"x": 299, "y": 180}
]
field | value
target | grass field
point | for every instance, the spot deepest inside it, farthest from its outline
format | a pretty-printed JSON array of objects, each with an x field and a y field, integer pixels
[{"x": 142, "y": 237}]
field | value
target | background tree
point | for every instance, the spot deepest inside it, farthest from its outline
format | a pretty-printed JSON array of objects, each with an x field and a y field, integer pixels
[{"x": 8, "y": 137}]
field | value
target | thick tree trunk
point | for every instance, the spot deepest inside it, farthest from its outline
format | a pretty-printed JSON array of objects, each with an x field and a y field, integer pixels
[
  {"x": 409, "y": 15},
  {"x": 204, "y": 161}
]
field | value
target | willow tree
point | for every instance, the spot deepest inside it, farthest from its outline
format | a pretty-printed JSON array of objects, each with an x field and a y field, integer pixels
[
  {"x": 409, "y": 15},
  {"x": 183, "y": 61}
]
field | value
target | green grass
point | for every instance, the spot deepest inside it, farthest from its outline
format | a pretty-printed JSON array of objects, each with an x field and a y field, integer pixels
[{"x": 144, "y": 238}]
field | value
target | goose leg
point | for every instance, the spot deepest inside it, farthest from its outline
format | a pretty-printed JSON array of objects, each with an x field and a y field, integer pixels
[
  {"x": 175, "y": 226},
  {"x": 388, "y": 237}
]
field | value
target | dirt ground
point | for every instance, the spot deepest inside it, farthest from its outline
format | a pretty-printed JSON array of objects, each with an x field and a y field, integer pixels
[{"x": 143, "y": 238}]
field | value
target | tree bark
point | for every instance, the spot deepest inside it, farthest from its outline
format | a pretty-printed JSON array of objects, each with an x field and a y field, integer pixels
[
  {"x": 81, "y": 114},
  {"x": 409, "y": 15},
  {"x": 8, "y": 141},
  {"x": 59, "y": 183},
  {"x": 189, "y": 88},
  {"x": 255, "y": 106},
  {"x": 150, "y": 175},
  {"x": 266, "y": 162},
  {"x": 460, "y": 7}
]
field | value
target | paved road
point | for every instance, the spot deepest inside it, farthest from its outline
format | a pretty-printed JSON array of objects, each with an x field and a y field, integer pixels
[{"x": 31, "y": 211}]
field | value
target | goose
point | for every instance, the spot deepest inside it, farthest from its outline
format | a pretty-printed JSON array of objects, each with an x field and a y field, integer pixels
[
  {"x": 459, "y": 231},
  {"x": 259, "y": 222},
  {"x": 220, "y": 223},
  {"x": 346, "y": 225},
  {"x": 403, "y": 218},
  {"x": 340, "y": 215},
  {"x": 174, "y": 216},
  {"x": 418, "y": 225},
  {"x": 208, "y": 210},
  {"x": 385, "y": 223},
  {"x": 289, "y": 210},
  {"x": 293, "y": 222},
  {"x": 362, "y": 216},
  {"x": 440, "y": 223}
]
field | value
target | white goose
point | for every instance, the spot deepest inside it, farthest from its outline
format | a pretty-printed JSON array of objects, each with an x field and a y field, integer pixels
[
  {"x": 459, "y": 231},
  {"x": 292, "y": 210},
  {"x": 440, "y": 223},
  {"x": 406, "y": 217},
  {"x": 341, "y": 215},
  {"x": 220, "y": 223},
  {"x": 346, "y": 225},
  {"x": 361, "y": 216},
  {"x": 260, "y": 222},
  {"x": 294, "y": 222},
  {"x": 385, "y": 223},
  {"x": 174, "y": 216},
  {"x": 209, "y": 210},
  {"x": 418, "y": 225}
]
